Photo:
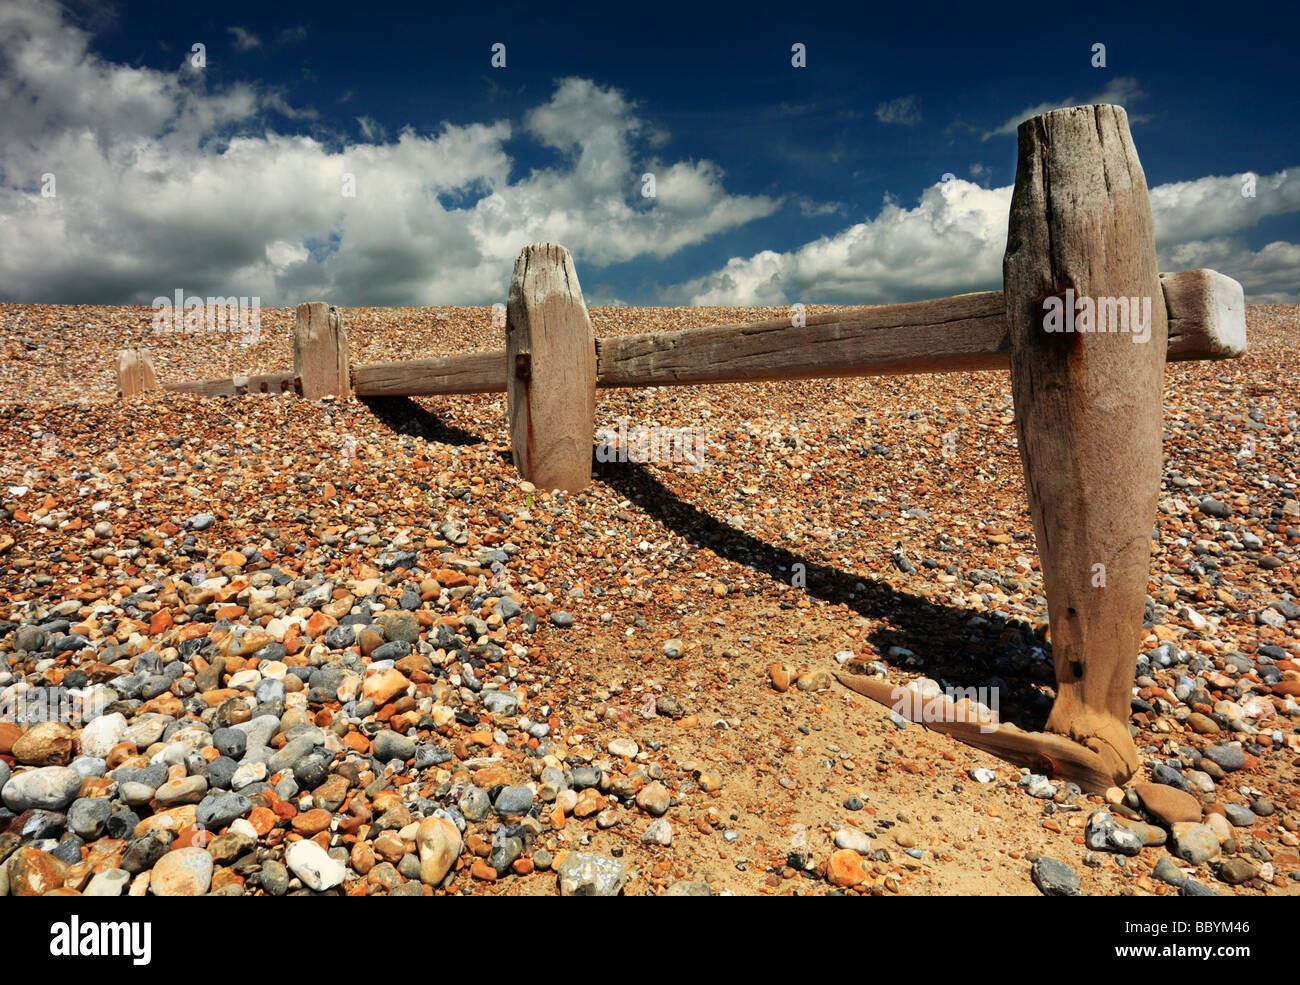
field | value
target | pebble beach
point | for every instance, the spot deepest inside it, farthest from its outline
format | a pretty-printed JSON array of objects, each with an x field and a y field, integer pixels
[{"x": 259, "y": 645}]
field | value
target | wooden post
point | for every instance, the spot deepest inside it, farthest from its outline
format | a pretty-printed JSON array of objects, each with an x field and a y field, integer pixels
[
  {"x": 1087, "y": 406},
  {"x": 135, "y": 373},
  {"x": 320, "y": 351},
  {"x": 550, "y": 371}
]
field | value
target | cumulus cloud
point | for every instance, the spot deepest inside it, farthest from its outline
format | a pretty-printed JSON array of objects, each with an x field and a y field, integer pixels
[
  {"x": 164, "y": 182},
  {"x": 1121, "y": 91},
  {"x": 952, "y": 241},
  {"x": 905, "y": 111}
]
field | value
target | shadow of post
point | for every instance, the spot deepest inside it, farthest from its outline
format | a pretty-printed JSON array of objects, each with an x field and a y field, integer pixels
[{"x": 957, "y": 646}]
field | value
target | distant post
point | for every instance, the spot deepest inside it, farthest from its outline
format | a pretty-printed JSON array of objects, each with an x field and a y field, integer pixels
[
  {"x": 135, "y": 373},
  {"x": 320, "y": 351},
  {"x": 1081, "y": 247},
  {"x": 550, "y": 371}
]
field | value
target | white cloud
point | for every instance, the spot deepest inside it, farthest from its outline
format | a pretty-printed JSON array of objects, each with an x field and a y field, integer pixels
[
  {"x": 905, "y": 111},
  {"x": 164, "y": 182},
  {"x": 244, "y": 40},
  {"x": 953, "y": 240},
  {"x": 1120, "y": 91}
]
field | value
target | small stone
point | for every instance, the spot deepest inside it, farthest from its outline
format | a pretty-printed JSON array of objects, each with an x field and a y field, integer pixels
[
  {"x": 183, "y": 872},
  {"x": 1167, "y": 805},
  {"x": 1166, "y": 871},
  {"x": 780, "y": 676},
  {"x": 389, "y": 745},
  {"x": 659, "y": 832},
  {"x": 582, "y": 874},
  {"x": 1227, "y": 758},
  {"x": 981, "y": 774},
  {"x": 1193, "y": 842},
  {"x": 1104, "y": 835},
  {"x": 100, "y": 736},
  {"x": 50, "y": 788},
  {"x": 475, "y": 804},
  {"x": 622, "y": 747},
  {"x": 88, "y": 817},
  {"x": 562, "y": 619},
  {"x": 46, "y": 744},
  {"x": 501, "y": 702},
  {"x": 440, "y": 845},
  {"x": 846, "y": 868},
  {"x": 310, "y": 863},
  {"x": 1240, "y": 817},
  {"x": 513, "y": 801},
  {"x": 274, "y": 878},
  {"x": 108, "y": 882},
  {"x": 33, "y": 872},
  {"x": 382, "y": 686},
  {"x": 1054, "y": 878},
  {"x": 853, "y": 840},
  {"x": 653, "y": 798},
  {"x": 1237, "y": 870}
]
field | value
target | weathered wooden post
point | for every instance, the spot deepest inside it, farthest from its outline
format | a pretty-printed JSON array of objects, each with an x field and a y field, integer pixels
[
  {"x": 550, "y": 371},
  {"x": 135, "y": 373},
  {"x": 1088, "y": 405},
  {"x": 320, "y": 351}
]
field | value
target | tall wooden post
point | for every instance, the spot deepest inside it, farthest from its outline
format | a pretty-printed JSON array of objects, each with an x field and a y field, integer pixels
[
  {"x": 1087, "y": 406},
  {"x": 320, "y": 351},
  {"x": 550, "y": 371},
  {"x": 135, "y": 373}
]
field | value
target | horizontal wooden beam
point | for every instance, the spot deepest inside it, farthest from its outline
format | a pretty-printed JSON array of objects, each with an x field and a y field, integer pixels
[
  {"x": 469, "y": 372},
  {"x": 949, "y": 335},
  {"x": 283, "y": 382},
  {"x": 958, "y": 334},
  {"x": 1207, "y": 316}
]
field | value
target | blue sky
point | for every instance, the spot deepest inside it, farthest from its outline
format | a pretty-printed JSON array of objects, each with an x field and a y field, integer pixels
[{"x": 774, "y": 184}]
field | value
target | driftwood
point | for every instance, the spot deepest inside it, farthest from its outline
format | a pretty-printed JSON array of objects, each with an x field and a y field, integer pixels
[
  {"x": 320, "y": 351},
  {"x": 551, "y": 378},
  {"x": 1053, "y": 755},
  {"x": 135, "y": 372},
  {"x": 1087, "y": 409}
]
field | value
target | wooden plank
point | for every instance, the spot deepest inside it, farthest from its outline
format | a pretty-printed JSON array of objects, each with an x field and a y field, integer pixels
[
  {"x": 1087, "y": 408},
  {"x": 282, "y": 382},
  {"x": 320, "y": 351},
  {"x": 1207, "y": 315},
  {"x": 135, "y": 372},
  {"x": 1043, "y": 752},
  {"x": 960, "y": 334},
  {"x": 551, "y": 371},
  {"x": 469, "y": 372},
  {"x": 948, "y": 335}
]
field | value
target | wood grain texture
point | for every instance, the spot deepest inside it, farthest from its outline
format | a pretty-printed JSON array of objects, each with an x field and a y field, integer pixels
[
  {"x": 948, "y": 335},
  {"x": 470, "y": 372},
  {"x": 320, "y": 351},
  {"x": 1087, "y": 408},
  {"x": 960, "y": 334},
  {"x": 135, "y": 372},
  {"x": 283, "y": 382},
  {"x": 1207, "y": 315},
  {"x": 1043, "y": 752},
  {"x": 551, "y": 371}
]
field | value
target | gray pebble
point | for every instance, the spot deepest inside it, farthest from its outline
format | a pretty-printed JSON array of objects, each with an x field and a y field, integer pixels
[{"x": 1055, "y": 878}]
